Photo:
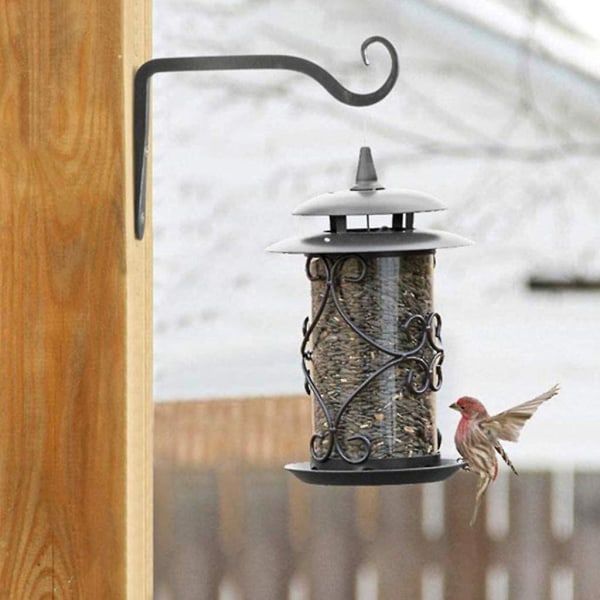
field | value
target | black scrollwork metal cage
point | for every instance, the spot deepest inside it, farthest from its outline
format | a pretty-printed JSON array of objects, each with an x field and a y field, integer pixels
[
  {"x": 372, "y": 359},
  {"x": 372, "y": 350}
]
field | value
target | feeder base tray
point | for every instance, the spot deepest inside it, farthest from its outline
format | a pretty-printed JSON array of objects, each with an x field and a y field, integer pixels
[{"x": 439, "y": 472}]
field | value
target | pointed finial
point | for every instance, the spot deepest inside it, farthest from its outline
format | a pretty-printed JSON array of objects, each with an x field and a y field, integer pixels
[{"x": 366, "y": 175}]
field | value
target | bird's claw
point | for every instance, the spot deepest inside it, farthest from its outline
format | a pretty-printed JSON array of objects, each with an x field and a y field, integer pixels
[{"x": 464, "y": 465}]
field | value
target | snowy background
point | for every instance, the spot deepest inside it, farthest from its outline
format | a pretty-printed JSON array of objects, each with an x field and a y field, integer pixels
[{"x": 495, "y": 113}]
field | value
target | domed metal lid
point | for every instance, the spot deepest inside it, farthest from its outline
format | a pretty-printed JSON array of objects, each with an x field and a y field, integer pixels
[
  {"x": 375, "y": 202},
  {"x": 369, "y": 197}
]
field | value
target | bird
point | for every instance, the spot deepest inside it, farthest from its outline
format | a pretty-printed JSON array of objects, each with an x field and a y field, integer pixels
[{"x": 478, "y": 436}]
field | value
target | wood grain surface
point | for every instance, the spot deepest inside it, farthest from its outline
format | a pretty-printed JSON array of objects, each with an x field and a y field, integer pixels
[{"x": 74, "y": 305}]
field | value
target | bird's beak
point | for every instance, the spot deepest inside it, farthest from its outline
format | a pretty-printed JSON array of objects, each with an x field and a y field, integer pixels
[{"x": 454, "y": 406}]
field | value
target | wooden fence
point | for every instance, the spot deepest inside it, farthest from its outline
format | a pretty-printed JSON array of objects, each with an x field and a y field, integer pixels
[{"x": 231, "y": 524}]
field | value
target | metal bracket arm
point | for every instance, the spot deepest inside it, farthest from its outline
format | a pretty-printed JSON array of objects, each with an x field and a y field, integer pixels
[{"x": 141, "y": 108}]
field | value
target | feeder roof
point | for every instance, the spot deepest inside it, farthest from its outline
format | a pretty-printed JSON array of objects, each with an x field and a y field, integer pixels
[
  {"x": 381, "y": 241},
  {"x": 369, "y": 202},
  {"x": 368, "y": 197}
]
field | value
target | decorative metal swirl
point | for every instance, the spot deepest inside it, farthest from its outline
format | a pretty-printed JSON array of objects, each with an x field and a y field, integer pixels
[
  {"x": 143, "y": 76},
  {"x": 430, "y": 371}
]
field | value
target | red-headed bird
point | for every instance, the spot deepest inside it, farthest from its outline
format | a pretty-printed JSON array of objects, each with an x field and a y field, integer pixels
[{"x": 478, "y": 436}]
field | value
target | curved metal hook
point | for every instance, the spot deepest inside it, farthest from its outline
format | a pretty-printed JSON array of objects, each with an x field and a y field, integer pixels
[{"x": 143, "y": 75}]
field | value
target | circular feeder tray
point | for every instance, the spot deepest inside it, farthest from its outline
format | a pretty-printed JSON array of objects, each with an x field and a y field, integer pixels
[{"x": 439, "y": 472}]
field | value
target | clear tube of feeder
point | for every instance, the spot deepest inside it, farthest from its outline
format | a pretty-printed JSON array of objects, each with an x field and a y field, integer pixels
[{"x": 371, "y": 343}]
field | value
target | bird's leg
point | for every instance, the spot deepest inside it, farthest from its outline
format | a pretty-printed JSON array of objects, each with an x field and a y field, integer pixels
[{"x": 464, "y": 464}]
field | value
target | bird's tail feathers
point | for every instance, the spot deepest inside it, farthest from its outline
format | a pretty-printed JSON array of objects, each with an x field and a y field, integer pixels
[
  {"x": 484, "y": 482},
  {"x": 500, "y": 450}
]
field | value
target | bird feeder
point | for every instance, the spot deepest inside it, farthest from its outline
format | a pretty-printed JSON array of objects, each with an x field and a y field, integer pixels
[{"x": 372, "y": 350}]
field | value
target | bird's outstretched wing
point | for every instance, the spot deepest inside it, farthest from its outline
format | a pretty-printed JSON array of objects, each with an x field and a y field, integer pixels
[{"x": 507, "y": 425}]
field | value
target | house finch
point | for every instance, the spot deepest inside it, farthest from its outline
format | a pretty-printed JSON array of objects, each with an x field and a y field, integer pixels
[{"x": 478, "y": 436}]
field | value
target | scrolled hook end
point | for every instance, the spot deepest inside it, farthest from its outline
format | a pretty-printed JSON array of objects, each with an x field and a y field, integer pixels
[
  {"x": 385, "y": 42},
  {"x": 363, "y": 53}
]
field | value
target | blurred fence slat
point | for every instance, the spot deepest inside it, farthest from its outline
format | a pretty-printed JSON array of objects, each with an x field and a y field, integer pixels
[
  {"x": 333, "y": 546},
  {"x": 586, "y": 538},
  {"x": 467, "y": 548},
  {"x": 267, "y": 559},
  {"x": 197, "y": 560},
  {"x": 397, "y": 550},
  {"x": 227, "y": 516},
  {"x": 531, "y": 547}
]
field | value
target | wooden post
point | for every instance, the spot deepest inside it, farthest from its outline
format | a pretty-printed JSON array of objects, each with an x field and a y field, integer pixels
[{"x": 75, "y": 302}]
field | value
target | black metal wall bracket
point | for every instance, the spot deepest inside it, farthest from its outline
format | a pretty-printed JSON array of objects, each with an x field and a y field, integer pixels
[{"x": 141, "y": 107}]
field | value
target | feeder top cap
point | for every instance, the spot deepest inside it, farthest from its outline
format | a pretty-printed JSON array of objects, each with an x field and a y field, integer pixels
[
  {"x": 376, "y": 202},
  {"x": 368, "y": 197}
]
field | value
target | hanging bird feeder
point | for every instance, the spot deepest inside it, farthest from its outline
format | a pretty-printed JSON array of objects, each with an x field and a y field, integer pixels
[{"x": 372, "y": 351}]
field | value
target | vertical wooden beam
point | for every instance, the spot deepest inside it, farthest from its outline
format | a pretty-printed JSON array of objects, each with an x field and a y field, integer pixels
[
  {"x": 75, "y": 301},
  {"x": 136, "y": 34}
]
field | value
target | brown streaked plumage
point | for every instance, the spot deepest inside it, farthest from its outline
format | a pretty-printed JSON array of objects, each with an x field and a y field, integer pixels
[{"x": 478, "y": 436}]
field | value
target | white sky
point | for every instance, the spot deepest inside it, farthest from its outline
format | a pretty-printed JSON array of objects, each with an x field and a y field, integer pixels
[
  {"x": 510, "y": 18},
  {"x": 585, "y": 14}
]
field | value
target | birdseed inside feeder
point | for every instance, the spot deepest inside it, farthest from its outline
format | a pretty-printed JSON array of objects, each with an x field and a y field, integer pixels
[{"x": 372, "y": 352}]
